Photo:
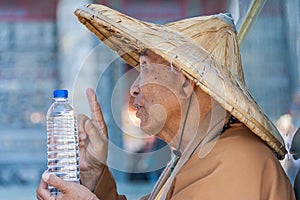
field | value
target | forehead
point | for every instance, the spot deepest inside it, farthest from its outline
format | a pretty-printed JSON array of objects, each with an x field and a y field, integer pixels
[
  {"x": 154, "y": 64},
  {"x": 156, "y": 70},
  {"x": 150, "y": 57}
]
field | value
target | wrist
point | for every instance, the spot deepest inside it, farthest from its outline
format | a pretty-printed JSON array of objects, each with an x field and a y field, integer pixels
[{"x": 90, "y": 178}]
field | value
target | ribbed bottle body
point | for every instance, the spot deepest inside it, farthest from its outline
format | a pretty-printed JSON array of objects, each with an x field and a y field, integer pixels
[{"x": 62, "y": 143}]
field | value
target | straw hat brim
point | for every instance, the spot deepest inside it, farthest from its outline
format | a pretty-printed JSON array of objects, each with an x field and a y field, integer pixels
[{"x": 128, "y": 37}]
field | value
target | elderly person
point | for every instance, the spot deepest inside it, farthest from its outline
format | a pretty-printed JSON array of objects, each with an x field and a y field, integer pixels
[{"x": 190, "y": 93}]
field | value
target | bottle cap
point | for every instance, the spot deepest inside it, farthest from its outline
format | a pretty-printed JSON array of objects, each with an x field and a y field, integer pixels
[{"x": 60, "y": 93}]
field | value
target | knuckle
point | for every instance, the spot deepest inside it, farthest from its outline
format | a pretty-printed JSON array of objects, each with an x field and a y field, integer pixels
[
  {"x": 81, "y": 118},
  {"x": 88, "y": 125},
  {"x": 82, "y": 136},
  {"x": 81, "y": 124},
  {"x": 50, "y": 179}
]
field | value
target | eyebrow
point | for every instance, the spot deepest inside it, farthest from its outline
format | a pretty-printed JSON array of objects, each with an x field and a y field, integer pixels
[{"x": 144, "y": 53}]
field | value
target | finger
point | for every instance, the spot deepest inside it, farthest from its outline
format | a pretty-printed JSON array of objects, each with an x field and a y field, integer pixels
[
  {"x": 55, "y": 181},
  {"x": 53, "y": 197},
  {"x": 42, "y": 191},
  {"x": 96, "y": 113},
  {"x": 39, "y": 197},
  {"x": 43, "y": 194},
  {"x": 82, "y": 143},
  {"x": 82, "y": 140},
  {"x": 81, "y": 118},
  {"x": 81, "y": 131}
]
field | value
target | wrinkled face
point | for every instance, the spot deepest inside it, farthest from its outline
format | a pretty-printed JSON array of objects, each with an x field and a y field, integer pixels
[{"x": 156, "y": 96}]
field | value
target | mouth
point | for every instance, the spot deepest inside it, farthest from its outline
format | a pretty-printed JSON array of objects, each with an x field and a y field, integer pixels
[
  {"x": 138, "y": 111},
  {"x": 141, "y": 115}
]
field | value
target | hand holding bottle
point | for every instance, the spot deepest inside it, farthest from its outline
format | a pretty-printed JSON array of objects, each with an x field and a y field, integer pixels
[
  {"x": 93, "y": 139},
  {"x": 69, "y": 190}
]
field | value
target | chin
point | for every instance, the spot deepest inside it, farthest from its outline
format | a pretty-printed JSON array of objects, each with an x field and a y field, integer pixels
[{"x": 152, "y": 128}]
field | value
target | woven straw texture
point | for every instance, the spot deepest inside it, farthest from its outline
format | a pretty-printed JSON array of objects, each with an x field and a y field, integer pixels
[{"x": 204, "y": 48}]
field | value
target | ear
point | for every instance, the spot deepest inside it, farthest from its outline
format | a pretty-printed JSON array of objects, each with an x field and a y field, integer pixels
[
  {"x": 187, "y": 87},
  {"x": 295, "y": 147}
]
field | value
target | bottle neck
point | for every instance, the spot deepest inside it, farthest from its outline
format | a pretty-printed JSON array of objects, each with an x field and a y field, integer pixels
[{"x": 60, "y": 99}]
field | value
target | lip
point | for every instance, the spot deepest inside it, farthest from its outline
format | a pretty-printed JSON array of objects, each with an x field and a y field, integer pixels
[{"x": 138, "y": 112}]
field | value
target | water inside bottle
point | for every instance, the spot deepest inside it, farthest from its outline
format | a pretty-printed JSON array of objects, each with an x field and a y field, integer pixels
[{"x": 62, "y": 146}]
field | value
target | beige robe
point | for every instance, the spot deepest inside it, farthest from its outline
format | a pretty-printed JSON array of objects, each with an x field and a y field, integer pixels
[{"x": 239, "y": 167}]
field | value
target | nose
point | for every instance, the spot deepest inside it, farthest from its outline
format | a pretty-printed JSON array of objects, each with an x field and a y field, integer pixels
[{"x": 135, "y": 87}]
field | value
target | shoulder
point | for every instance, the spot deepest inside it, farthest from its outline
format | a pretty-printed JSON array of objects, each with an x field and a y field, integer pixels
[
  {"x": 242, "y": 143},
  {"x": 236, "y": 144},
  {"x": 237, "y": 153},
  {"x": 235, "y": 164}
]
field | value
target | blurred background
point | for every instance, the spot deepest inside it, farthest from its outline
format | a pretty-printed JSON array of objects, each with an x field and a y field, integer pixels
[{"x": 43, "y": 47}]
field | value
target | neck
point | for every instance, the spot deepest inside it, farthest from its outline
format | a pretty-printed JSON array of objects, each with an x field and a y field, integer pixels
[
  {"x": 196, "y": 122},
  {"x": 188, "y": 126}
]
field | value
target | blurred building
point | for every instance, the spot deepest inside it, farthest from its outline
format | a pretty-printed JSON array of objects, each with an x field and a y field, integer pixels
[
  {"x": 43, "y": 47},
  {"x": 270, "y": 56},
  {"x": 28, "y": 73}
]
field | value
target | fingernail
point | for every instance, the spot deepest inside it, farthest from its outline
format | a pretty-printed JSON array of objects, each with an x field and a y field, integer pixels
[{"x": 45, "y": 176}]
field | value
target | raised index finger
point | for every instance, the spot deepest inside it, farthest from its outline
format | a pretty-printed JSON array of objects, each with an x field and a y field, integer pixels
[{"x": 96, "y": 113}]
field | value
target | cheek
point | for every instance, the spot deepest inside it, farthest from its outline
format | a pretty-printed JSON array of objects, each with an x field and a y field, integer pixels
[
  {"x": 165, "y": 98},
  {"x": 153, "y": 94}
]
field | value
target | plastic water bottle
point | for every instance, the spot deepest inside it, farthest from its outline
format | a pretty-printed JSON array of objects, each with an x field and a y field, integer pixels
[{"x": 62, "y": 140}]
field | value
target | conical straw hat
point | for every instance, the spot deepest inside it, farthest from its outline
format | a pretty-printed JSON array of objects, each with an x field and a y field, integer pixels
[{"x": 204, "y": 48}]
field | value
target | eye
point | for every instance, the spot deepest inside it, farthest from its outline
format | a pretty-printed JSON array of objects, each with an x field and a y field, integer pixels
[{"x": 144, "y": 68}]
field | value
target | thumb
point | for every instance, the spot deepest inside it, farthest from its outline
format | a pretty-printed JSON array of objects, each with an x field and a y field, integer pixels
[{"x": 55, "y": 181}]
